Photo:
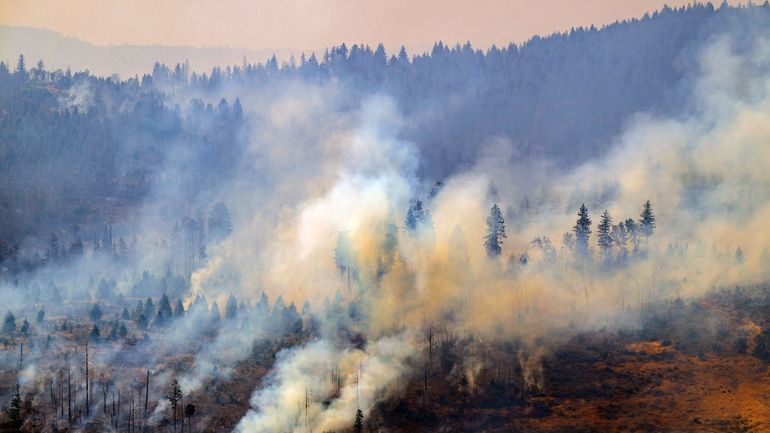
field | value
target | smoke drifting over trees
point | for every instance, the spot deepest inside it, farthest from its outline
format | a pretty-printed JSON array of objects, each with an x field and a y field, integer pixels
[{"x": 449, "y": 203}]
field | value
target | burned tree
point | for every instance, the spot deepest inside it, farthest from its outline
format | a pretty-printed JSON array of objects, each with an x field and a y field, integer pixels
[{"x": 189, "y": 411}]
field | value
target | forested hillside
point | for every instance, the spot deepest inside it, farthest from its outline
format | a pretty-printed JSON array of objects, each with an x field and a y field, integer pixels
[{"x": 77, "y": 149}]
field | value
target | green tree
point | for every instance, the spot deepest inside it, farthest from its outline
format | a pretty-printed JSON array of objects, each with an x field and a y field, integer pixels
[
  {"x": 149, "y": 308},
  {"x": 141, "y": 321},
  {"x": 21, "y": 66},
  {"x": 164, "y": 307},
  {"x": 95, "y": 313},
  {"x": 493, "y": 240},
  {"x": 647, "y": 221},
  {"x": 582, "y": 230},
  {"x": 40, "y": 316},
  {"x": 25, "y": 327},
  {"x": 231, "y": 309},
  {"x": 179, "y": 309},
  {"x": 604, "y": 234},
  {"x": 9, "y": 324},
  {"x": 95, "y": 333},
  {"x": 14, "y": 409},
  {"x": 358, "y": 424},
  {"x": 174, "y": 396}
]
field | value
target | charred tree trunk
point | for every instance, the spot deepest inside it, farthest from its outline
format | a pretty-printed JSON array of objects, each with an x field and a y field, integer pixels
[
  {"x": 87, "y": 400},
  {"x": 69, "y": 396},
  {"x": 146, "y": 394}
]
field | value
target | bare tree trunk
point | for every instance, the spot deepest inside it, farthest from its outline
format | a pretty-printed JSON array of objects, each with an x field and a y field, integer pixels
[
  {"x": 69, "y": 396},
  {"x": 181, "y": 406},
  {"x": 146, "y": 394},
  {"x": 118, "y": 417},
  {"x": 105, "y": 385},
  {"x": 87, "y": 402}
]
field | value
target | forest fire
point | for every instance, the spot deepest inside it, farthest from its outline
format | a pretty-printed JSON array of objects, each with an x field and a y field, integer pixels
[{"x": 365, "y": 243}]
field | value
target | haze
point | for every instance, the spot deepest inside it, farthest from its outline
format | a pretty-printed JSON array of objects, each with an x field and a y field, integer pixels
[{"x": 315, "y": 24}]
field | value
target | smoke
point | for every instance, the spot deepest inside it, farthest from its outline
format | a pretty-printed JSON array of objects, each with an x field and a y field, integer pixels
[
  {"x": 319, "y": 385},
  {"x": 319, "y": 202},
  {"x": 704, "y": 171}
]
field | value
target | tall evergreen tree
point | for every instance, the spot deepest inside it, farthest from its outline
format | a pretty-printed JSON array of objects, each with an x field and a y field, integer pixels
[
  {"x": 21, "y": 66},
  {"x": 149, "y": 308},
  {"x": 9, "y": 323},
  {"x": 582, "y": 230},
  {"x": 14, "y": 409},
  {"x": 231, "y": 308},
  {"x": 416, "y": 216},
  {"x": 647, "y": 221},
  {"x": 179, "y": 309},
  {"x": 358, "y": 424},
  {"x": 164, "y": 307},
  {"x": 493, "y": 240},
  {"x": 174, "y": 396},
  {"x": 95, "y": 313},
  {"x": 604, "y": 234}
]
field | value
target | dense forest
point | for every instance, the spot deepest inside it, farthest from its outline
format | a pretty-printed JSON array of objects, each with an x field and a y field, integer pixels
[{"x": 77, "y": 149}]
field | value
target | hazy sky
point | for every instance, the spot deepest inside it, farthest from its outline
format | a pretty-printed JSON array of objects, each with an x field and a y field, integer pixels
[{"x": 313, "y": 24}]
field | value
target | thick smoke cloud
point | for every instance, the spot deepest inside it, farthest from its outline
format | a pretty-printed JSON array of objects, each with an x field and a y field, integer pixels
[
  {"x": 704, "y": 171},
  {"x": 321, "y": 169}
]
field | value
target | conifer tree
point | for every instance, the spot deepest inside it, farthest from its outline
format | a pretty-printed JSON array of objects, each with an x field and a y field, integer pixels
[
  {"x": 14, "y": 409},
  {"x": 231, "y": 308},
  {"x": 604, "y": 237},
  {"x": 174, "y": 396},
  {"x": 493, "y": 240},
  {"x": 164, "y": 307},
  {"x": 358, "y": 424},
  {"x": 582, "y": 230},
  {"x": 647, "y": 221},
  {"x": 96, "y": 312},
  {"x": 9, "y": 324},
  {"x": 179, "y": 309}
]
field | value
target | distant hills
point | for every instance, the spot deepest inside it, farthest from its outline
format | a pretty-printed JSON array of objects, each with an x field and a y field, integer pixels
[{"x": 60, "y": 52}]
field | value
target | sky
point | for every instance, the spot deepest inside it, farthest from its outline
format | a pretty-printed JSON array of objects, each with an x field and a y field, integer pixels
[{"x": 316, "y": 24}]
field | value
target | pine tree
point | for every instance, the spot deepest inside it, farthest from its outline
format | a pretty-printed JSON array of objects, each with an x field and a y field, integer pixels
[
  {"x": 417, "y": 216},
  {"x": 582, "y": 230},
  {"x": 647, "y": 221},
  {"x": 231, "y": 308},
  {"x": 174, "y": 396},
  {"x": 604, "y": 237},
  {"x": 149, "y": 309},
  {"x": 25, "y": 327},
  {"x": 493, "y": 240},
  {"x": 40, "y": 316},
  {"x": 358, "y": 424},
  {"x": 9, "y": 324},
  {"x": 141, "y": 321},
  {"x": 21, "y": 66},
  {"x": 95, "y": 333},
  {"x": 95, "y": 313},
  {"x": 179, "y": 309},
  {"x": 14, "y": 410},
  {"x": 164, "y": 307}
]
